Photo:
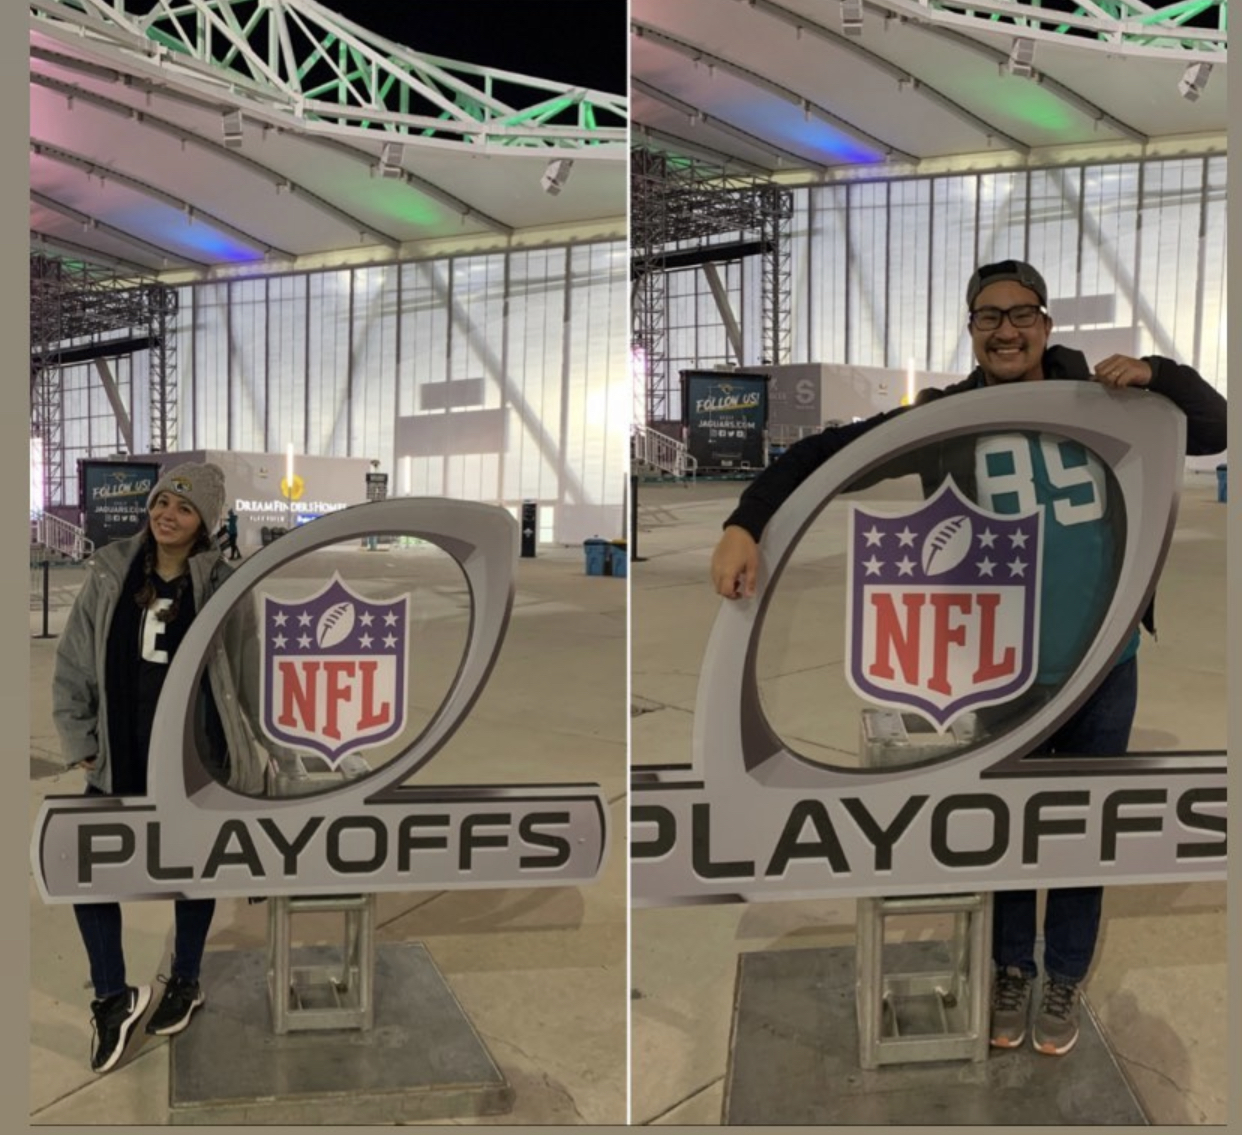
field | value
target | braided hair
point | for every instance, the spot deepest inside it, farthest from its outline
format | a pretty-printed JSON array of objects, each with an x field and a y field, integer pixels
[{"x": 146, "y": 595}]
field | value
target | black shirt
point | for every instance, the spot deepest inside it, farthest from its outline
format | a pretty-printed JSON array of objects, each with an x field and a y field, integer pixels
[{"x": 140, "y": 649}]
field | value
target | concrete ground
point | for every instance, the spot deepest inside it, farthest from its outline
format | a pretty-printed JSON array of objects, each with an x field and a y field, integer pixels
[
  {"x": 541, "y": 973},
  {"x": 1159, "y": 979}
]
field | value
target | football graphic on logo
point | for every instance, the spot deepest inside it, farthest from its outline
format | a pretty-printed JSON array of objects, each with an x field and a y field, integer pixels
[
  {"x": 946, "y": 545},
  {"x": 335, "y": 624}
]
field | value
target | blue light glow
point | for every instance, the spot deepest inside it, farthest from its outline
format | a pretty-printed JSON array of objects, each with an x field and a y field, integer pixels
[
  {"x": 170, "y": 228},
  {"x": 820, "y": 140}
]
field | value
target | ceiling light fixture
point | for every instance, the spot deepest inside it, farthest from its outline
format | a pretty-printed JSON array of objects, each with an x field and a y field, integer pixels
[
  {"x": 1021, "y": 58},
  {"x": 852, "y": 17},
  {"x": 555, "y": 176},
  {"x": 390, "y": 160},
  {"x": 1192, "y": 82},
  {"x": 233, "y": 129}
]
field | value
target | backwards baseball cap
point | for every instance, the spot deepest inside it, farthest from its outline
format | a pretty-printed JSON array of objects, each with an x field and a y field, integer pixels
[
  {"x": 201, "y": 485},
  {"x": 1016, "y": 270}
]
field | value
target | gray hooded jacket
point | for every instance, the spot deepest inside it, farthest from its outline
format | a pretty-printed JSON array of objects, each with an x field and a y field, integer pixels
[{"x": 81, "y": 712}]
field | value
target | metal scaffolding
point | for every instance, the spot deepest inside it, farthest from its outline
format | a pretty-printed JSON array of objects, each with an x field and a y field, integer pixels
[
  {"x": 300, "y": 65},
  {"x": 678, "y": 207},
  {"x": 80, "y": 312}
]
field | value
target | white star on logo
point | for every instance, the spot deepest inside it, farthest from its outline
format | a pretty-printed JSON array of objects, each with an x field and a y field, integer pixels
[
  {"x": 873, "y": 566},
  {"x": 365, "y": 641},
  {"x": 390, "y": 641},
  {"x": 280, "y": 618},
  {"x": 987, "y": 538},
  {"x": 390, "y": 620},
  {"x": 304, "y": 641},
  {"x": 985, "y": 567},
  {"x": 1017, "y": 567},
  {"x": 279, "y": 642},
  {"x": 366, "y": 618},
  {"x": 905, "y": 538},
  {"x": 874, "y": 536},
  {"x": 1018, "y": 539},
  {"x": 304, "y": 619},
  {"x": 905, "y": 565}
]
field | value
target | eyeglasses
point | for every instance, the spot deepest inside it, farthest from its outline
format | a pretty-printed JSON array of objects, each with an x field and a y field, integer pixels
[{"x": 1022, "y": 316}]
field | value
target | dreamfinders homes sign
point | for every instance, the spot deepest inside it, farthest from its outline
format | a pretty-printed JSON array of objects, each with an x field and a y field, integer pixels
[
  {"x": 943, "y": 621},
  {"x": 335, "y": 682}
]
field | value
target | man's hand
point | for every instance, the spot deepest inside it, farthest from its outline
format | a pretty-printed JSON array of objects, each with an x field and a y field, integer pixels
[
  {"x": 735, "y": 564},
  {"x": 1121, "y": 370}
]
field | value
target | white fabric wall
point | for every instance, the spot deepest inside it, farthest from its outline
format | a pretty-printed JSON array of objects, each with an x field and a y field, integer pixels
[
  {"x": 507, "y": 371},
  {"x": 879, "y": 269}
]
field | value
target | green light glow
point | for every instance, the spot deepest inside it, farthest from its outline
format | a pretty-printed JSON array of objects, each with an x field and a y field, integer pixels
[{"x": 1021, "y": 99}]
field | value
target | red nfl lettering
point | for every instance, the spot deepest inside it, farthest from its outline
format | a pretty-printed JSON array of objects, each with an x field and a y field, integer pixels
[
  {"x": 895, "y": 636},
  {"x": 301, "y": 687}
]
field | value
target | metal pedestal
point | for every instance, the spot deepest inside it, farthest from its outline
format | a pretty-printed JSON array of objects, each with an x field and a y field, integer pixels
[
  {"x": 915, "y": 1015},
  {"x": 942, "y": 1013},
  {"x": 333, "y": 996}
]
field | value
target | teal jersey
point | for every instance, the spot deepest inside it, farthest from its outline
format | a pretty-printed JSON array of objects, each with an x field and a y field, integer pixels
[{"x": 1019, "y": 471}]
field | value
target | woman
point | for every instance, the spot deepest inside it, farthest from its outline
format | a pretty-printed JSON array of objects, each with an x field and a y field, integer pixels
[{"x": 138, "y": 600}]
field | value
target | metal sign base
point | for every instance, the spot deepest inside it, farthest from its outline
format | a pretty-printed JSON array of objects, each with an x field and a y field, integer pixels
[
  {"x": 793, "y": 1059},
  {"x": 926, "y": 1014},
  {"x": 336, "y": 996},
  {"x": 422, "y": 1059}
]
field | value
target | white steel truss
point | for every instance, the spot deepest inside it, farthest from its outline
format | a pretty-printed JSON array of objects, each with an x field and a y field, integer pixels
[
  {"x": 300, "y": 65},
  {"x": 1117, "y": 27}
]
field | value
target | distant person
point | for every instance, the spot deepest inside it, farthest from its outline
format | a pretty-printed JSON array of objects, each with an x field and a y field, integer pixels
[
  {"x": 227, "y": 535},
  {"x": 138, "y": 600},
  {"x": 1009, "y": 327}
]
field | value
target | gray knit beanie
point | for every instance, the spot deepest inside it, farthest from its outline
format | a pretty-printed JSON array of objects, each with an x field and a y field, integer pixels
[{"x": 201, "y": 485}]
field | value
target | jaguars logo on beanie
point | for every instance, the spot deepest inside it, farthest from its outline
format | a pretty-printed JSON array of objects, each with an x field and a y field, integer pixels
[{"x": 201, "y": 485}]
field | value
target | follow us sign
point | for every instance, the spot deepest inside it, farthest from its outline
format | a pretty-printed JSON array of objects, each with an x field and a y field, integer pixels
[{"x": 334, "y": 683}]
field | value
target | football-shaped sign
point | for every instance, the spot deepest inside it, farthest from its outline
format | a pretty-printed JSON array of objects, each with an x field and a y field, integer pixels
[
  {"x": 335, "y": 624},
  {"x": 946, "y": 545}
]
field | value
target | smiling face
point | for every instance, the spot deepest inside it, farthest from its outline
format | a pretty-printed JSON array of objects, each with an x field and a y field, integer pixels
[
  {"x": 175, "y": 523},
  {"x": 1008, "y": 353}
]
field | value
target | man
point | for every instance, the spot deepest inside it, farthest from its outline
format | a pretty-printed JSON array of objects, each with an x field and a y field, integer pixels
[{"x": 1009, "y": 328}]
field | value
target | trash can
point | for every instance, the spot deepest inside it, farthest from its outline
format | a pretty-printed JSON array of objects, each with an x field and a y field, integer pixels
[
  {"x": 619, "y": 558},
  {"x": 1222, "y": 483},
  {"x": 596, "y": 556}
]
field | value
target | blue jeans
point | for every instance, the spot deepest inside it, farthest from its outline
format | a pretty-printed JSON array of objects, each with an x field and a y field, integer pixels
[
  {"x": 100, "y": 926},
  {"x": 1072, "y": 916}
]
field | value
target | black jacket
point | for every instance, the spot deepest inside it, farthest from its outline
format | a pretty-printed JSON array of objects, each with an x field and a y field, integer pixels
[{"x": 1204, "y": 407}]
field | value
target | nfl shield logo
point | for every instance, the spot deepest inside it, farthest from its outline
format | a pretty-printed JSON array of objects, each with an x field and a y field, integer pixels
[
  {"x": 943, "y": 605},
  {"x": 334, "y": 670}
]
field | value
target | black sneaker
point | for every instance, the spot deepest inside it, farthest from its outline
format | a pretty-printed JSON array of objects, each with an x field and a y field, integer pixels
[
  {"x": 180, "y": 999},
  {"x": 112, "y": 1019}
]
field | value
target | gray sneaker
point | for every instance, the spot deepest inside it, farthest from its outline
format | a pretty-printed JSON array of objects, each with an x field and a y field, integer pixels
[
  {"x": 1011, "y": 1002},
  {"x": 1056, "y": 1026}
]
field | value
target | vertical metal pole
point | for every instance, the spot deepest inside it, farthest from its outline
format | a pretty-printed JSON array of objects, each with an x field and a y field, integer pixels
[
  {"x": 366, "y": 964},
  {"x": 635, "y": 558},
  {"x": 868, "y": 980},
  {"x": 280, "y": 977},
  {"x": 46, "y": 589}
]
